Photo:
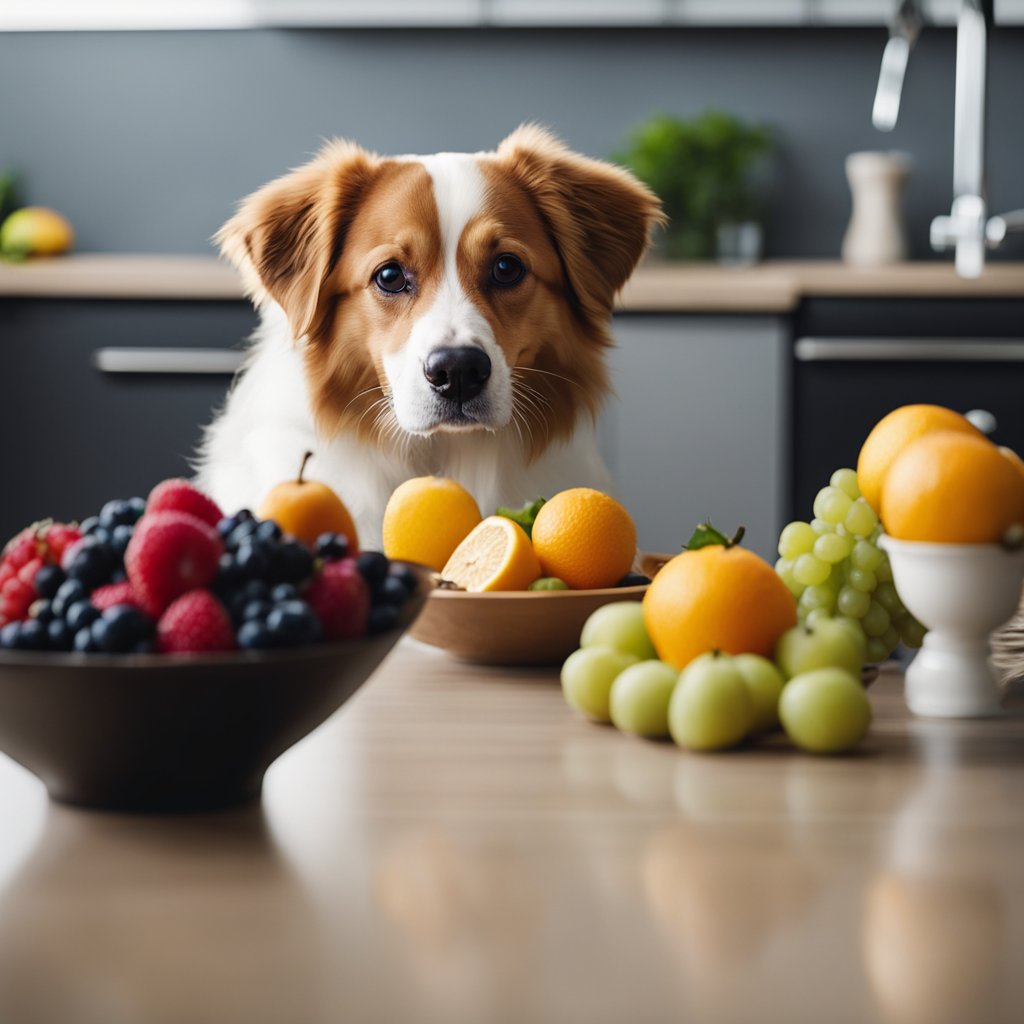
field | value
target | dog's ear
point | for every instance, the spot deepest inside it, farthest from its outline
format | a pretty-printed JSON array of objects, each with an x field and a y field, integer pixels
[
  {"x": 599, "y": 216},
  {"x": 287, "y": 236}
]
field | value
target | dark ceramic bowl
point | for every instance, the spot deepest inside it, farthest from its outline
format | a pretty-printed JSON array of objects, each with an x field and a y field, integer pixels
[{"x": 163, "y": 733}]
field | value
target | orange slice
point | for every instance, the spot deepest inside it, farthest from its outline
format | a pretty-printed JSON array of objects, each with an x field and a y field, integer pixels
[{"x": 496, "y": 555}]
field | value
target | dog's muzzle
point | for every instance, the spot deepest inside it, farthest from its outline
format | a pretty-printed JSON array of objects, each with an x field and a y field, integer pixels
[{"x": 457, "y": 374}]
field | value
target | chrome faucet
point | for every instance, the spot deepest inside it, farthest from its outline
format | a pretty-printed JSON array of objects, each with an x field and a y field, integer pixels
[{"x": 968, "y": 227}]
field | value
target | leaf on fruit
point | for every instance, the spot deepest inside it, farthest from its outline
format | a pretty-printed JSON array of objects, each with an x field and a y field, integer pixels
[
  {"x": 525, "y": 516},
  {"x": 705, "y": 535}
]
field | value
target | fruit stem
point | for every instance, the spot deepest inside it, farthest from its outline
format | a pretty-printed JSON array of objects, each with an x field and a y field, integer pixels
[
  {"x": 737, "y": 537},
  {"x": 302, "y": 468}
]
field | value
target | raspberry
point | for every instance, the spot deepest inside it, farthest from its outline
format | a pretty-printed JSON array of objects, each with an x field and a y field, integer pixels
[
  {"x": 340, "y": 599},
  {"x": 23, "y": 556},
  {"x": 181, "y": 496},
  {"x": 114, "y": 593},
  {"x": 195, "y": 623},
  {"x": 169, "y": 554}
]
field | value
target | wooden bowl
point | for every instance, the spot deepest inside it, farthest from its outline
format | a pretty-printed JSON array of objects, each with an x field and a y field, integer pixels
[
  {"x": 519, "y": 627},
  {"x": 175, "y": 733}
]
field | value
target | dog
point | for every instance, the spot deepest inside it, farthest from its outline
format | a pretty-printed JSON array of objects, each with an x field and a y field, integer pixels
[{"x": 445, "y": 314}]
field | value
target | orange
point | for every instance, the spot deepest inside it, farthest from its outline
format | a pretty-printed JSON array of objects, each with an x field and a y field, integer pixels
[
  {"x": 307, "y": 508},
  {"x": 497, "y": 555},
  {"x": 892, "y": 433},
  {"x": 716, "y": 598},
  {"x": 426, "y": 519},
  {"x": 1015, "y": 460},
  {"x": 952, "y": 488},
  {"x": 585, "y": 538}
]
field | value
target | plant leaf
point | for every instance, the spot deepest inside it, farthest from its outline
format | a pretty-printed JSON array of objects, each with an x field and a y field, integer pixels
[
  {"x": 524, "y": 516},
  {"x": 705, "y": 535}
]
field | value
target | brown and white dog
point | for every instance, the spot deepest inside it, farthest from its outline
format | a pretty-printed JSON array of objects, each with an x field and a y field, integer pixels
[{"x": 443, "y": 314}]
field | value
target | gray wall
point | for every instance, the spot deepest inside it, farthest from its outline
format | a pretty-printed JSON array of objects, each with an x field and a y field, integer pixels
[{"x": 145, "y": 140}]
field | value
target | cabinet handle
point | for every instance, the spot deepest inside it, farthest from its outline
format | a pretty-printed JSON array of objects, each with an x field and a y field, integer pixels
[
  {"x": 215, "y": 361},
  {"x": 980, "y": 350}
]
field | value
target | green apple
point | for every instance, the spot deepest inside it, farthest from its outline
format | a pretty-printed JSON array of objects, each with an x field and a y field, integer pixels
[
  {"x": 640, "y": 696},
  {"x": 764, "y": 682},
  {"x": 587, "y": 678},
  {"x": 711, "y": 707},
  {"x": 825, "y": 644},
  {"x": 825, "y": 711},
  {"x": 619, "y": 625}
]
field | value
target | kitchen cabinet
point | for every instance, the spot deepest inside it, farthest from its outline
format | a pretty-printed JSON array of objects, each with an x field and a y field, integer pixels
[
  {"x": 855, "y": 360},
  {"x": 696, "y": 428},
  {"x": 76, "y": 433}
]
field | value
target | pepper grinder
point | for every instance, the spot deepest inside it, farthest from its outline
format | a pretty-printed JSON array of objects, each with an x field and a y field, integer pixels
[{"x": 876, "y": 234}]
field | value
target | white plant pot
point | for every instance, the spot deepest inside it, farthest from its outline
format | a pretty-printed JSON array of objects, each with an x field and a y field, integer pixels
[{"x": 961, "y": 593}]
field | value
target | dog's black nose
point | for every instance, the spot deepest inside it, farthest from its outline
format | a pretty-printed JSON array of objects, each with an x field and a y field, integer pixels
[{"x": 457, "y": 374}]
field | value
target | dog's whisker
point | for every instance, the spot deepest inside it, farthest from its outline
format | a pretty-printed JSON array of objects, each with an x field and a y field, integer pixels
[
  {"x": 549, "y": 373},
  {"x": 355, "y": 398}
]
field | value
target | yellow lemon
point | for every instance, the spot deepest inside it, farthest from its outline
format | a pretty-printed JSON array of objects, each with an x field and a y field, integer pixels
[
  {"x": 497, "y": 555},
  {"x": 36, "y": 231},
  {"x": 426, "y": 519}
]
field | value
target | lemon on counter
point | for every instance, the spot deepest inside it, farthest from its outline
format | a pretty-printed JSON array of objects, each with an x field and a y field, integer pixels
[{"x": 35, "y": 231}]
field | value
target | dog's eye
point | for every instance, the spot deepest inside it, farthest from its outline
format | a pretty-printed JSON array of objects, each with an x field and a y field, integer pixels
[
  {"x": 391, "y": 278},
  {"x": 507, "y": 270}
]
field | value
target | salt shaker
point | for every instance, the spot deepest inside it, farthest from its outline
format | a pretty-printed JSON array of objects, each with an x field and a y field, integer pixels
[{"x": 876, "y": 234}]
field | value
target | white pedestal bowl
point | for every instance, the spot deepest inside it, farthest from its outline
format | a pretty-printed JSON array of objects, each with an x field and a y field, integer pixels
[{"x": 961, "y": 593}]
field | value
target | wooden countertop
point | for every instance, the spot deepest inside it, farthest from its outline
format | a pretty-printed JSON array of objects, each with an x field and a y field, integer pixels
[
  {"x": 456, "y": 846},
  {"x": 773, "y": 287}
]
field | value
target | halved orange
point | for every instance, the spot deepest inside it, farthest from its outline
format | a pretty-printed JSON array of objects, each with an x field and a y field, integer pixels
[{"x": 497, "y": 555}]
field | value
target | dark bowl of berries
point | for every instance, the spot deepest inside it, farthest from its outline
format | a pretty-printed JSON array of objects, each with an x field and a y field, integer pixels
[{"x": 159, "y": 656}]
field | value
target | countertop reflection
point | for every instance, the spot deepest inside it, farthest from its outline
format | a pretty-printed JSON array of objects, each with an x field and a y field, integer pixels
[{"x": 456, "y": 845}]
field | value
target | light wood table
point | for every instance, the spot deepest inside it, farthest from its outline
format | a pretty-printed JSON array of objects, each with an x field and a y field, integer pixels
[{"x": 457, "y": 846}]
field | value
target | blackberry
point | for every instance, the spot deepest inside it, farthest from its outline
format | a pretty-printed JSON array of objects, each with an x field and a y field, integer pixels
[
  {"x": 392, "y": 591},
  {"x": 332, "y": 547},
  {"x": 80, "y": 615},
  {"x": 121, "y": 628},
  {"x": 60, "y": 636},
  {"x": 293, "y": 624},
  {"x": 255, "y": 636},
  {"x": 118, "y": 512},
  {"x": 68, "y": 593},
  {"x": 93, "y": 562},
  {"x": 48, "y": 580},
  {"x": 373, "y": 567}
]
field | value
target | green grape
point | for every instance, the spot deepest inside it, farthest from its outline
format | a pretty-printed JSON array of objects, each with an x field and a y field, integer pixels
[
  {"x": 831, "y": 548},
  {"x": 862, "y": 579},
  {"x": 853, "y": 603},
  {"x": 784, "y": 567},
  {"x": 811, "y": 617},
  {"x": 819, "y": 595},
  {"x": 639, "y": 698},
  {"x": 764, "y": 684},
  {"x": 846, "y": 480},
  {"x": 619, "y": 625},
  {"x": 912, "y": 632},
  {"x": 711, "y": 707},
  {"x": 825, "y": 711},
  {"x": 883, "y": 571},
  {"x": 866, "y": 556},
  {"x": 832, "y": 504},
  {"x": 885, "y": 594},
  {"x": 820, "y": 527},
  {"x": 587, "y": 678},
  {"x": 891, "y": 639},
  {"x": 877, "y": 651},
  {"x": 875, "y": 620},
  {"x": 796, "y": 539},
  {"x": 861, "y": 520},
  {"x": 810, "y": 570}
]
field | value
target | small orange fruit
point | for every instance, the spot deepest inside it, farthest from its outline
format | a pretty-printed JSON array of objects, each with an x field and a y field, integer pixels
[
  {"x": 307, "y": 508},
  {"x": 497, "y": 555},
  {"x": 1015, "y": 460},
  {"x": 426, "y": 519},
  {"x": 891, "y": 435},
  {"x": 951, "y": 488},
  {"x": 585, "y": 538},
  {"x": 716, "y": 598}
]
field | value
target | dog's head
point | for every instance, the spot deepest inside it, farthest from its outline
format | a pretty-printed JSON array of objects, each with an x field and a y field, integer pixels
[{"x": 451, "y": 292}]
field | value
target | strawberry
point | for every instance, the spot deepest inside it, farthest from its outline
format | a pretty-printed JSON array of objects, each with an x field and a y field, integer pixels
[
  {"x": 195, "y": 623},
  {"x": 180, "y": 496},
  {"x": 170, "y": 553},
  {"x": 114, "y": 593},
  {"x": 340, "y": 599}
]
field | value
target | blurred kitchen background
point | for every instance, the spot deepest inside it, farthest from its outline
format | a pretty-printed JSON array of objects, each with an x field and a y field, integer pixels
[{"x": 145, "y": 138}]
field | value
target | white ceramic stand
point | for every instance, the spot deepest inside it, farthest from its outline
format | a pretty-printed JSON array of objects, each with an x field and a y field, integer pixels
[
  {"x": 875, "y": 234},
  {"x": 961, "y": 592}
]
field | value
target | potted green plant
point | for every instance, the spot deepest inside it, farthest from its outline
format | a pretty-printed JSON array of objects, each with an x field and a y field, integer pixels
[{"x": 703, "y": 172}]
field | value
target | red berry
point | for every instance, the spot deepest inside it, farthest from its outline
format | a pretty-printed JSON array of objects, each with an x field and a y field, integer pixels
[
  {"x": 114, "y": 593},
  {"x": 341, "y": 600},
  {"x": 195, "y": 623},
  {"x": 181, "y": 496},
  {"x": 59, "y": 537},
  {"x": 169, "y": 554}
]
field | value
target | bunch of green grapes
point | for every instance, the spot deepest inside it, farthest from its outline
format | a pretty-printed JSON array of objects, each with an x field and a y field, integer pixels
[{"x": 835, "y": 569}]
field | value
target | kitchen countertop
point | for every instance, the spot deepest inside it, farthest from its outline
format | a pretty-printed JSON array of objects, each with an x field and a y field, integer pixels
[
  {"x": 456, "y": 845},
  {"x": 771, "y": 287}
]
